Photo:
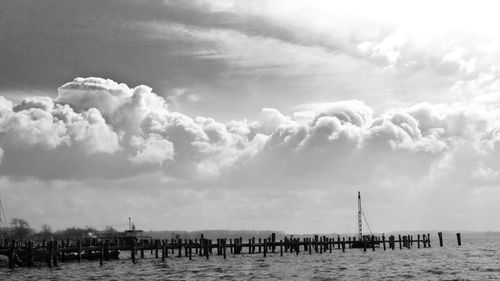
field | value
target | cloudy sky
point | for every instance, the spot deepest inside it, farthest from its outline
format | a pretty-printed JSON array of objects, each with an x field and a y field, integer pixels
[{"x": 250, "y": 114}]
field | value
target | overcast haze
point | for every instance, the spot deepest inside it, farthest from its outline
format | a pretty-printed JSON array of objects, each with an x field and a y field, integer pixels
[{"x": 251, "y": 114}]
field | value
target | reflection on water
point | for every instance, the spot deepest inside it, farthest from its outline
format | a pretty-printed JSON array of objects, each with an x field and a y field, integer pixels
[{"x": 477, "y": 259}]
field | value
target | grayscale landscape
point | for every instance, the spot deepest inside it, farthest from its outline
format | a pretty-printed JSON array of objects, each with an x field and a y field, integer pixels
[{"x": 249, "y": 140}]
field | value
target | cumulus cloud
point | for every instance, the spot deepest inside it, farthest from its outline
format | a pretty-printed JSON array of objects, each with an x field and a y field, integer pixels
[{"x": 133, "y": 129}]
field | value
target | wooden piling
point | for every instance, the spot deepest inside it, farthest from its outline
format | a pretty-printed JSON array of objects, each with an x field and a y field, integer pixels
[
  {"x": 400, "y": 246},
  {"x": 29, "y": 254},
  {"x": 459, "y": 239},
  {"x": 133, "y": 250},
  {"x": 343, "y": 244},
  {"x": 79, "y": 247},
  {"x": 383, "y": 241},
  {"x": 440, "y": 236},
  {"x": 281, "y": 248},
  {"x": 418, "y": 241},
  {"x": 163, "y": 250},
  {"x": 50, "y": 250},
  {"x": 429, "y": 240},
  {"x": 265, "y": 247},
  {"x": 12, "y": 254},
  {"x": 179, "y": 247},
  {"x": 56, "y": 252},
  {"x": 373, "y": 243},
  {"x": 106, "y": 250},
  {"x": 190, "y": 249},
  {"x": 224, "y": 249},
  {"x": 206, "y": 249},
  {"x": 101, "y": 252}
]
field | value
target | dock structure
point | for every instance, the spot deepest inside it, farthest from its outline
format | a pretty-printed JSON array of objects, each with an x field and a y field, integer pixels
[{"x": 52, "y": 253}]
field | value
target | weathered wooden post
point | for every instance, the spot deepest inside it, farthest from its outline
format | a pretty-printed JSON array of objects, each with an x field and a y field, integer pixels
[
  {"x": 309, "y": 246},
  {"x": 281, "y": 248},
  {"x": 106, "y": 250},
  {"x": 418, "y": 241},
  {"x": 133, "y": 250},
  {"x": 400, "y": 246},
  {"x": 30, "y": 253},
  {"x": 373, "y": 243},
  {"x": 224, "y": 248},
  {"x": 330, "y": 244},
  {"x": 163, "y": 250},
  {"x": 206, "y": 249},
  {"x": 79, "y": 249},
  {"x": 260, "y": 245},
  {"x": 338, "y": 242},
  {"x": 343, "y": 244},
  {"x": 383, "y": 241},
  {"x": 157, "y": 247},
  {"x": 429, "y": 240},
  {"x": 265, "y": 247},
  {"x": 459, "y": 239},
  {"x": 273, "y": 241},
  {"x": 56, "y": 252},
  {"x": 321, "y": 245},
  {"x": 297, "y": 246},
  {"x": 190, "y": 249},
  {"x": 101, "y": 252},
  {"x": 179, "y": 247},
  {"x": 440, "y": 236},
  {"x": 50, "y": 250},
  {"x": 12, "y": 254}
]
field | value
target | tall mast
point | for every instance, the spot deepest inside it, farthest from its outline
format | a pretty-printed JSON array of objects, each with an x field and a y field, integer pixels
[{"x": 360, "y": 225}]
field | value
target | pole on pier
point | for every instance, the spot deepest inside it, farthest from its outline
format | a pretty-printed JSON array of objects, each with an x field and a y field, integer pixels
[
  {"x": 179, "y": 248},
  {"x": 163, "y": 250},
  {"x": 190, "y": 249},
  {"x": 281, "y": 248},
  {"x": 459, "y": 239},
  {"x": 30, "y": 253},
  {"x": 56, "y": 251},
  {"x": 157, "y": 247},
  {"x": 429, "y": 240},
  {"x": 106, "y": 250},
  {"x": 101, "y": 254},
  {"x": 418, "y": 241},
  {"x": 206, "y": 249},
  {"x": 224, "y": 249},
  {"x": 50, "y": 249},
  {"x": 265, "y": 247},
  {"x": 79, "y": 247},
  {"x": 12, "y": 254},
  {"x": 440, "y": 236},
  {"x": 373, "y": 243},
  {"x": 133, "y": 249},
  {"x": 343, "y": 244},
  {"x": 383, "y": 241},
  {"x": 400, "y": 246}
]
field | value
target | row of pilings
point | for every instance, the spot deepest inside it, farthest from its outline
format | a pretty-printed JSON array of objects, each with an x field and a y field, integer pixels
[{"x": 29, "y": 253}]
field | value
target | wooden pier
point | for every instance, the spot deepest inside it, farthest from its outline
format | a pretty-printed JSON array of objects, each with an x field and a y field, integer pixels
[{"x": 51, "y": 253}]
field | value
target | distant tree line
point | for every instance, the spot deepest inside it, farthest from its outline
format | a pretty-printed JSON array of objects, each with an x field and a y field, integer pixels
[{"x": 20, "y": 229}]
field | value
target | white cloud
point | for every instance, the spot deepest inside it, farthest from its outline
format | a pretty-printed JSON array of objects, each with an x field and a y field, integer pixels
[{"x": 324, "y": 146}]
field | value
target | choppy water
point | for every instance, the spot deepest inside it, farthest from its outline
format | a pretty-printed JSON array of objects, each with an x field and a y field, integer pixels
[{"x": 477, "y": 259}]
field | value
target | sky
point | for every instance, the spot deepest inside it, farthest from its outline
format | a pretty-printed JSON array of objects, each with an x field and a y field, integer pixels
[{"x": 257, "y": 115}]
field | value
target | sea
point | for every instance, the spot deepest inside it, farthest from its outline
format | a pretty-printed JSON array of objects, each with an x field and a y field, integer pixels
[{"x": 477, "y": 259}]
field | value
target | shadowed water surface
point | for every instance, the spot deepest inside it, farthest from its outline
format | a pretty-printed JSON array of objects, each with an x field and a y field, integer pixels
[{"x": 477, "y": 259}]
